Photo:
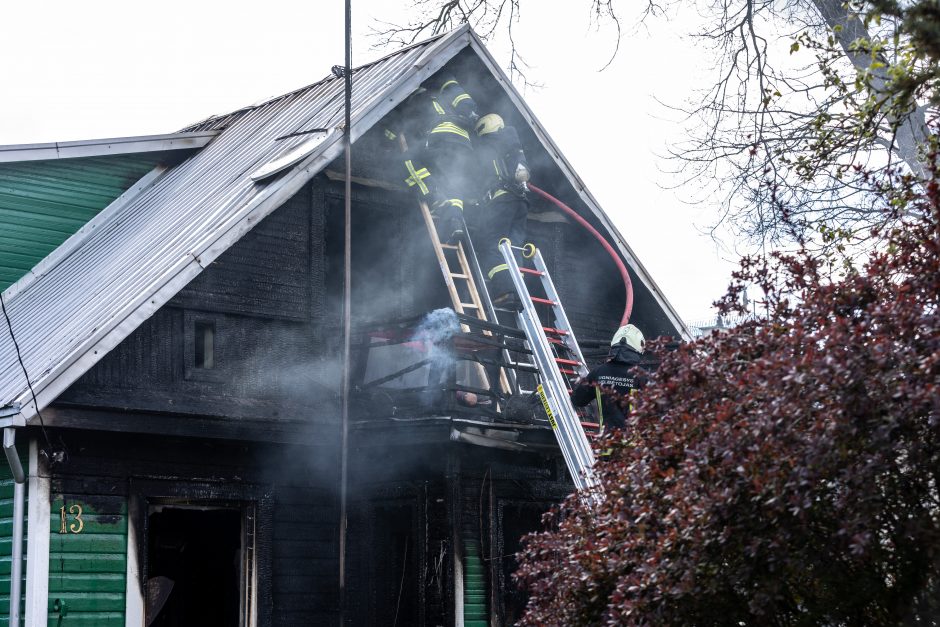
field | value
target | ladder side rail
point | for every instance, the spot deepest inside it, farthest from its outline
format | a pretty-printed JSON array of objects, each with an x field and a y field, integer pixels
[
  {"x": 484, "y": 295},
  {"x": 467, "y": 270},
  {"x": 441, "y": 258},
  {"x": 571, "y": 437},
  {"x": 561, "y": 318}
]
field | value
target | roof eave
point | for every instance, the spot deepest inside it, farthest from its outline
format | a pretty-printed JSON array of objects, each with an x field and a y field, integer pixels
[{"x": 102, "y": 147}]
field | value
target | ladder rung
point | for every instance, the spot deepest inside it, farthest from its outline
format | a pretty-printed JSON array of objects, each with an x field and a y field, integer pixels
[
  {"x": 555, "y": 331},
  {"x": 450, "y": 246},
  {"x": 555, "y": 340},
  {"x": 522, "y": 364},
  {"x": 590, "y": 425},
  {"x": 468, "y": 306},
  {"x": 531, "y": 271},
  {"x": 544, "y": 301},
  {"x": 570, "y": 362},
  {"x": 458, "y": 275},
  {"x": 566, "y": 371}
]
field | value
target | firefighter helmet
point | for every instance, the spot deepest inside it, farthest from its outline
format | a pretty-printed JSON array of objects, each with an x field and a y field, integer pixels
[
  {"x": 631, "y": 336},
  {"x": 489, "y": 123}
]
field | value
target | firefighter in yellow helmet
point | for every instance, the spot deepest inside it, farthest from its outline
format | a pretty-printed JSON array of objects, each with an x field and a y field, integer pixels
[
  {"x": 436, "y": 121},
  {"x": 504, "y": 205},
  {"x": 613, "y": 383}
]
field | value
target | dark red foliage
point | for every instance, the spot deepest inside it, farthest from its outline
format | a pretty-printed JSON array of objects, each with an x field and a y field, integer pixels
[{"x": 783, "y": 473}]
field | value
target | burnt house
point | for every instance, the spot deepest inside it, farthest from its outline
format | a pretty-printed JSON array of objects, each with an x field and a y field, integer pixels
[{"x": 171, "y": 371}]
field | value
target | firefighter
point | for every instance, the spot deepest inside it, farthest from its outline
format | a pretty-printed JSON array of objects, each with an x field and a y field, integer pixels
[
  {"x": 503, "y": 204},
  {"x": 613, "y": 383},
  {"x": 439, "y": 162}
]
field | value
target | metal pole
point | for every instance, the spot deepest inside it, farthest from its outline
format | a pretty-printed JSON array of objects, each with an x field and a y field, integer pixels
[
  {"x": 19, "y": 500},
  {"x": 347, "y": 301}
]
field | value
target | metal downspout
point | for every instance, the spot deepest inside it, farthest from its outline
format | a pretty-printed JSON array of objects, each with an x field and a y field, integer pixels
[{"x": 19, "y": 500}]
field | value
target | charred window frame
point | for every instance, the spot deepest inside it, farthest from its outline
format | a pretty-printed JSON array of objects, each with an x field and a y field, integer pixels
[
  {"x": 204, "y": 346},
  {"x": 256, "y": 504}
]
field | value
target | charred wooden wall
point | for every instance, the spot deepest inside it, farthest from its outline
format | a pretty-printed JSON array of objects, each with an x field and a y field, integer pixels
[
  {"x": 400, "y": 541},
  {"x": 266, "y": 302},
  {"x": 418, "y": 509}
]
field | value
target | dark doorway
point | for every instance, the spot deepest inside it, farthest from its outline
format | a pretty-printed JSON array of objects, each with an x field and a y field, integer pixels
[
  {"x": 194, "y": 564},
  {"x": 517, "y": 520},
  {"x": 395, "y": 566}
]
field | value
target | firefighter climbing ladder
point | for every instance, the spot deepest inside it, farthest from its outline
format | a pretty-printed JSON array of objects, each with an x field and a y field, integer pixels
[
  {"x": 557, "y": 368},
  {"x": 457, "y": 253}
]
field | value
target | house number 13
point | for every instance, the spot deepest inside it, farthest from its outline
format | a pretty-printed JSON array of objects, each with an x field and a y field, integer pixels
[{"x": 77, "y": 523}]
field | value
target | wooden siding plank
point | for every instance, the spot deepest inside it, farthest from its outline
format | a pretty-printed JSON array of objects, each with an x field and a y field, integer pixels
[
  {"x": 87, "y": 568},
  {"x": 95, "y": 619},
  {"x": 88, "y": 582}
]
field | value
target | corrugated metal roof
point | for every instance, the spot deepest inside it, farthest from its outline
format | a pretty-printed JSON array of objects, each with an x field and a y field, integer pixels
[
  {"x": 42, "y": 203},
  {"x": 143, "y": 250}
]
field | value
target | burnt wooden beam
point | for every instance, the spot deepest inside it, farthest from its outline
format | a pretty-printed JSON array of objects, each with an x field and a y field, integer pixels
[{"x": 323, "y": 434}]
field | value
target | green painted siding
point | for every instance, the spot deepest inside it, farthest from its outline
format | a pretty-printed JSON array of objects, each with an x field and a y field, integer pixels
[
  {"x": 474, "y": 587},
  {"x": 87, "y": 569},
  {"x": 6, "y": 536},
  {"x": 42, "y": 203}
]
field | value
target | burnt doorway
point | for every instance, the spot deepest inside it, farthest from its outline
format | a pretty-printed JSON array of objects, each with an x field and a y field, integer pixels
[
  {"x": 195, "y": 561},
  {"x": 516, "y": 519}
]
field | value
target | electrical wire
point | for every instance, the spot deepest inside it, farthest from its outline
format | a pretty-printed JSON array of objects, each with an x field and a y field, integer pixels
[{"x": 29, "y": 384}]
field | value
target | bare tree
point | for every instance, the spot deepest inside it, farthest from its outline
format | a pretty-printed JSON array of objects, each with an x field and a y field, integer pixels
[{"x": 807, "y": 95}]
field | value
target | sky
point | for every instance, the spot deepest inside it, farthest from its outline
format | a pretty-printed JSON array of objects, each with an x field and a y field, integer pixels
[{"x": 107, "y": 68}]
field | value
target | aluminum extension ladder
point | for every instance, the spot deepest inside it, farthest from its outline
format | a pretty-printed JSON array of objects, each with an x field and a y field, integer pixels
[
  {"x": 458, "y": 262},
  {"x": 559, "y": 362}
]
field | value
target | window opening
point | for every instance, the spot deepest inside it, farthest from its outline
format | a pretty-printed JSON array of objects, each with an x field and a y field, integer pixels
[{"x": 205, "y": 345}]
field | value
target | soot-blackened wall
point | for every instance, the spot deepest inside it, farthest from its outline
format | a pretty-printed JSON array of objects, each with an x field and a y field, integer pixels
[
  {"x": 400, "y": 536},
  {"x": 247, "y": 339}
]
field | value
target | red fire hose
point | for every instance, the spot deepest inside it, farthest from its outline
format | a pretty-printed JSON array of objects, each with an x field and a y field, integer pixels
[{"x": 627, "y": 283}]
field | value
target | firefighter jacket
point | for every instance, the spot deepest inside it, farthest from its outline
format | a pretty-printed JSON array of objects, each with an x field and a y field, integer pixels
[
  {"x": 612, "y": 384},
  {"x": 501, "y": 153},
  {"x": 441, "y": 112}
]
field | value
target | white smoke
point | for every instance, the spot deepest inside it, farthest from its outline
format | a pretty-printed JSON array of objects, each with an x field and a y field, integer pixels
[{"x": 434, "y": 332}]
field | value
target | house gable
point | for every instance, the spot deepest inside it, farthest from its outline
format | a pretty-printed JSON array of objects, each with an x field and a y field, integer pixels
[{"x": 198, "y": 210}]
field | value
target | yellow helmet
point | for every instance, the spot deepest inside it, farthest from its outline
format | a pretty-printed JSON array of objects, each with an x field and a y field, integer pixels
[
  {"x": 489, "y": 123},
  {"x": 631, "y": 336}
]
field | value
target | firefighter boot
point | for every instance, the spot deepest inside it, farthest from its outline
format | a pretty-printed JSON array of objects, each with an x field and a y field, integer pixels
[{"x": 448, "y": 218}]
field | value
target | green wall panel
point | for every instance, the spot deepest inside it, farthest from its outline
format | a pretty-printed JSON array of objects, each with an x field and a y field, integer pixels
[
  {"x": 474, "y": 586},
  {"x": 88, "y": 561},
  {"x": 42, "y": 203}
]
